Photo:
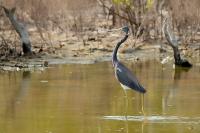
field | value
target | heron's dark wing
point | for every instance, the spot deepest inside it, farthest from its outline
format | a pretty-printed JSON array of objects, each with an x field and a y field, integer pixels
[{"x": 126, "y": 78}]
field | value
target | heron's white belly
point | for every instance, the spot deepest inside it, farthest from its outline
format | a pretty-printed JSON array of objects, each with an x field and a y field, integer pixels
[{"x": 125, "y": 87}]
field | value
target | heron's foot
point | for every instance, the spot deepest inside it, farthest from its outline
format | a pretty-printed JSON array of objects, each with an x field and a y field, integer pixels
[
  {"x": 145, "y": 120},
  {"x": 126, "y": 117},
  {"x": 144, "y": 116}
]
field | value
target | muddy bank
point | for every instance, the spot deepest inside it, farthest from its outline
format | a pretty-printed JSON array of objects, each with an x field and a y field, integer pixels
[
  {"x": 47, "y": 60},
  {"x": 92, "y": 47},
  {"x": 152, "y": 51}
]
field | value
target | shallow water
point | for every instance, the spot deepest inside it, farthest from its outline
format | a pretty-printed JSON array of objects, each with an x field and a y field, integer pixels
[{"x": 88, "y": 99}]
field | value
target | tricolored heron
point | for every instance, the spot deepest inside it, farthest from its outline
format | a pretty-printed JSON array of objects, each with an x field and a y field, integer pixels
[{"x": 122, "y": 73}]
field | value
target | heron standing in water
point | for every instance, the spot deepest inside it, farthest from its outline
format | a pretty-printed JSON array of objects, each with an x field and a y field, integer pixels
[{"x": 122, "y": 73}]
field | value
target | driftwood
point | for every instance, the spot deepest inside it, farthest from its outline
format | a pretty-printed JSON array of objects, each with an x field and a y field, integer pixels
[
  {"x": 173, "y": 42},
  {"x": 20, "y": 29}
]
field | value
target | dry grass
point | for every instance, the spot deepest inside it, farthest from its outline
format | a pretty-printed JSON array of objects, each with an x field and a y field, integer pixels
[{"x": 186, "y": 18}]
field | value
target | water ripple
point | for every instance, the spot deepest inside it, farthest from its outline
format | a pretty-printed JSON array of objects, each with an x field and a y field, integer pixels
[{"x": 155, "y": 119}]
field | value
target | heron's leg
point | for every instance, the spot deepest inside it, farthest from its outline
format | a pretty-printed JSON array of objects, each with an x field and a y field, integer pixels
[
  {"x": 126, "y": 110},
  {"x": 126, "y": 104},
  {"x": 142, "y": 101}
]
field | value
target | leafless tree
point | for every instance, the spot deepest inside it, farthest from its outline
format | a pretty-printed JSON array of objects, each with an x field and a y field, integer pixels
[
  {"x": 20, "y": 29},
  {"x": 173, "y": 42}
]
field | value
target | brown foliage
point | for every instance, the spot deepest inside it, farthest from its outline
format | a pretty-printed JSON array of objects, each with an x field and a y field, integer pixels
[
  {"x": 78, "y": 15},
  {"x": 186, "y": 18},
  {"x": 44, "y": 16},
  {"x": 43, "y": 11}
]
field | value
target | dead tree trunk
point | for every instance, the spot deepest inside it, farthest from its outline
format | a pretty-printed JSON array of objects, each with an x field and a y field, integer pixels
[
  {"x": 20, "y": 29},
  {"x": 173, "y": 42}
]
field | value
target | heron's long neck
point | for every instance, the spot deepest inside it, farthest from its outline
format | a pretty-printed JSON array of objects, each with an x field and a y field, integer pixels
[{"x": 114, "y": 56}]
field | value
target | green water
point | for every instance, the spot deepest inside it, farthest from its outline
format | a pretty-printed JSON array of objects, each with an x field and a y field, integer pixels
[{"x": 88, "y": 99}]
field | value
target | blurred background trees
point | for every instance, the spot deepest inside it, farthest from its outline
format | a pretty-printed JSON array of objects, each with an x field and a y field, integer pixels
[{"x": 45, "y": 17}]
